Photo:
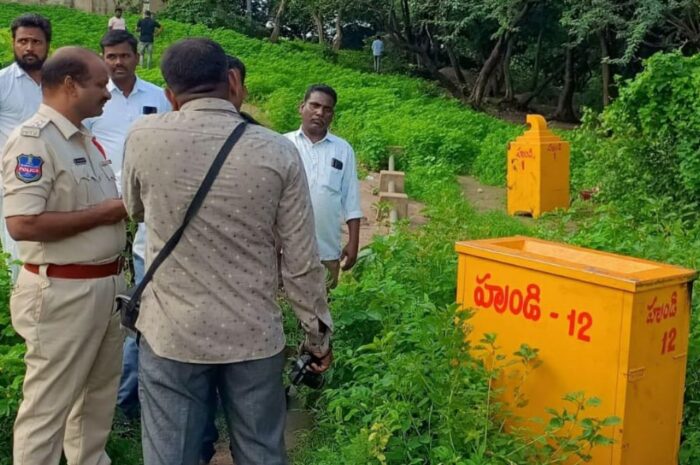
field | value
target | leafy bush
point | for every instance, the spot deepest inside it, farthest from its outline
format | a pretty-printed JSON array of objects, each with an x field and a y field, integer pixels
[
  {"x": 647, "y": 143},
  {"x": 11, "y": 366},
  {"x": 211, "y": 13}
]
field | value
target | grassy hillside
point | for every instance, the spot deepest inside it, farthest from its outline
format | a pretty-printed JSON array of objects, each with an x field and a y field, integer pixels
[{"x": 432, "y": 127}]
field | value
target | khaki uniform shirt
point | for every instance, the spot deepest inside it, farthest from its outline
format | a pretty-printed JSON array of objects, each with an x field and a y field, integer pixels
[
  {"x": 49, "y": 165},
  {"x": 213, "y": 300}
]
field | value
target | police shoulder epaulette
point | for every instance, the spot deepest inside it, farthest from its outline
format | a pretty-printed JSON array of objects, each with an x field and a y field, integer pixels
[{"x": 33, "y": 128}]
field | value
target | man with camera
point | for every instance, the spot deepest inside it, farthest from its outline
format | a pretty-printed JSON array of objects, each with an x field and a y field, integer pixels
[
  {"x": 132, "y": 97},
  {"x": 210, "y": 317}
]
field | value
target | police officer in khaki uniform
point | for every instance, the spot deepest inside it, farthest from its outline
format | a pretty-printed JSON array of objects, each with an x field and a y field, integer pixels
[{"x": 61, "y": 205}]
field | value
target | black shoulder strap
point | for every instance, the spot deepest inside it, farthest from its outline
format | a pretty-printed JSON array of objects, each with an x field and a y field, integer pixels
[{"x": 197, "y": 201}]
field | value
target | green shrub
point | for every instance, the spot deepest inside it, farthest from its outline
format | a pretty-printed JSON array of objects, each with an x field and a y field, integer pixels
[
  {"x": 647, "y": 142},
  {"x": 11, "y": 366}
]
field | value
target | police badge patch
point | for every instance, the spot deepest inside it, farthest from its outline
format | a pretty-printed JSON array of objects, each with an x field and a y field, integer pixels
[{"x": 29, "y": 168}]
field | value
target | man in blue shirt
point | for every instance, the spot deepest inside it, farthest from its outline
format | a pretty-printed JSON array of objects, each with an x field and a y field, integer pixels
[{"x": 377, "y": 52}]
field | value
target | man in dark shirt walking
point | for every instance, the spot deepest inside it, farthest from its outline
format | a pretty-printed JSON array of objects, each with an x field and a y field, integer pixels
[{"x": 147, "y": 27}]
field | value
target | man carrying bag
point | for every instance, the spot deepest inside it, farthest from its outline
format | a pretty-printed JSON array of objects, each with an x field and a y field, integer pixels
[{"x": 209, "y": 316}]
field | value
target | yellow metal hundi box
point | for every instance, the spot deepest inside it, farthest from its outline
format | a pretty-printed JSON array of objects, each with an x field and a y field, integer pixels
[
  {"x": 538, "y": 171},
  {"x": 611, "y": 326}
]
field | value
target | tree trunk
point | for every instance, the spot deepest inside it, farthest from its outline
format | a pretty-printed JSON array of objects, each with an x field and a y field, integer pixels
[
  {"x": 507, "y": 78},
  {"x": 477, "y": 96},
  {"x": 565, "y": 107},
  {"x": 338, "y": 39},
  {"x": 525, "y": 101},
  {"x": 482, "y": 81},
  {"x": 279, "y": 14},
  {"x": 538, "y": 61},
  {"x": 605, "y": 67},
  {"x": 249, "y": 10},
  {"x": 408, "y": 27},
  {"x": 318, "y": 21},
  {"x": 404, "y": 36},
  {"x": 434, "y": 71},
  {"x": 454, "y": 62}
]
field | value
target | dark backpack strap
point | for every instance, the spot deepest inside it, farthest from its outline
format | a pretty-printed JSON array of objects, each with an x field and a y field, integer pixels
[{"x": 197, "y": 201}]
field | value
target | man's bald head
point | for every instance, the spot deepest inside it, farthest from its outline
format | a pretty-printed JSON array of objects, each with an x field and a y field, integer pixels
[
  {"x": 74, "y": 83},
  {"x": 73, "y": 62}
]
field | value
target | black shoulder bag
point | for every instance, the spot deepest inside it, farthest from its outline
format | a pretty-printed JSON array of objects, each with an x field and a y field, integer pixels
[{"x": 129, "y": 303}]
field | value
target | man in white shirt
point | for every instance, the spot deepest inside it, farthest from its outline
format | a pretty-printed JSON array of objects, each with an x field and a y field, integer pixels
[
  {"x": 377, "y": 52},
  {"x": 116, "y": 22},
  {"x": 329, "y": 162},
  {"x": 20, "y": 91},
  {"x": 131, "y": 98}
]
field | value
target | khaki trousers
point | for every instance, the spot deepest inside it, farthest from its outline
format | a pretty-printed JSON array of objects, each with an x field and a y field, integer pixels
[{"x": 73, "y": 362}]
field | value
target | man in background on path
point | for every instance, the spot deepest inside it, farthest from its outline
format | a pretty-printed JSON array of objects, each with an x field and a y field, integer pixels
[
  {"x": 148, "y": 28},
  {"x": 377, "y": 52},
  {"x": 210, "y": 317},
  {"x": 20, "y": 92},
  {"x": 61, "y": 203},
  {"x": 116, "y": 22},
  {"x": 132, "y": 97},
  {"x": 331, "y": 171}
]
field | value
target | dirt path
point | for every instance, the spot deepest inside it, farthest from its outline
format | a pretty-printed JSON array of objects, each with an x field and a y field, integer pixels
[
  {"x": 483, "y": 198},
  {"x": 298, "y": 419},
  {"x": 370, "y": 226},
  {"x": 487, "y": 198}
]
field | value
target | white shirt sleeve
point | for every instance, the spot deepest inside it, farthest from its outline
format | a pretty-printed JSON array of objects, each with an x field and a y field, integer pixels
[{"x": 350, "y": 189}]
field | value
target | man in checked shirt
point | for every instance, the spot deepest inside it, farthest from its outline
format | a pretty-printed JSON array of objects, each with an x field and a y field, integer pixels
[{"x": 210, "y": 315}]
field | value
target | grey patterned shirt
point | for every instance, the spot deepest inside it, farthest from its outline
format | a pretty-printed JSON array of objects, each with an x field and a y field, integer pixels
[{"x": 214, "y": 299}]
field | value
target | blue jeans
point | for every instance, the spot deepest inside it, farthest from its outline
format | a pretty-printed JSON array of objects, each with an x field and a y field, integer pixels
[{"x": 176, "y": 407}]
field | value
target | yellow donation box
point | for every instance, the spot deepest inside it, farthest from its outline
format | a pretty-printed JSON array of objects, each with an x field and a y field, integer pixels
[
  {"x": 538, "y": 171},
  {"x": 613, "y": 327}
]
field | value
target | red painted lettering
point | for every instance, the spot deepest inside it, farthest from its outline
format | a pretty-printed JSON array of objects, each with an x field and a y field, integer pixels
[
  {"x": 501, "y": 298},
  {"x": 657, "y": 312}
]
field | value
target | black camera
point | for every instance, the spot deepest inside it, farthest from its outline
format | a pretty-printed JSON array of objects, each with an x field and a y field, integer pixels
[{"x": 301, "y": 372}]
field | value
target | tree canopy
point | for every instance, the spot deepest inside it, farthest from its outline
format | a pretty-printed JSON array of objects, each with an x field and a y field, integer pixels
[{"x": 512, "y": 53}]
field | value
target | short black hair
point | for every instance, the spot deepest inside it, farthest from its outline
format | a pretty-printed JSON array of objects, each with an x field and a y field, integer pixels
[
  {"x": 60, "y": 66},
  {"x": 32, "y": 20},
  {"x": 326, "y": 89},
  {"x": 118, "y": 9},
  {"x": 194, "y": 66},
  {"x": 147, "y": 13},
  {"x": 236, "y": 63},
  {"x": 116, "y": 37}
]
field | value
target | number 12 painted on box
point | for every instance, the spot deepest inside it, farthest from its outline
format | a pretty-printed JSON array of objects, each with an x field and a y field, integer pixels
[
  {"x": 585, "y": 320},
  {"x": 669, "y": 342}
]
